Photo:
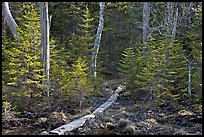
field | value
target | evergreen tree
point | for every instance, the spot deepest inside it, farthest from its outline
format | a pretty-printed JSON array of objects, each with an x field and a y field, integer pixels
[
  {"x": 80, "y": 83},
  {"x": 59, "y": 69},
  {"x": 23, "y": 66},
  {"x": 194, "y": 52},
  {"x": 127, "y": 62},
  {"x": 150, "y": 76},
  {"x": 82, "y": 42}
]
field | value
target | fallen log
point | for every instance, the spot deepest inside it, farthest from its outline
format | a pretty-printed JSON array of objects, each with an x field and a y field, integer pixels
[{"x": 80, "y": 122}]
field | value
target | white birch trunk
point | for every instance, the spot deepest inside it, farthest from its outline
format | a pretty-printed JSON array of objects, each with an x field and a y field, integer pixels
[
  {"x": 170, "y": 32},
  {"x": 146, "y": 14},
  {"x": 98, "y": 39},
  {"x": 169, "y": 17},
  {"x": 9, "y": 20},
  {"x": 50, "y": 20},
  {"x": 3, "y": 21},
  {"x": 189, "y": 79},
  {"x": 189, "y": 76},
  {"x": 174, "y": 25},
  {"x": 44, "y": 22}
]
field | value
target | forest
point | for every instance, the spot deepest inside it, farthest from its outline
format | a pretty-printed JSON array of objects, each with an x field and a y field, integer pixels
[{"x": 101, "y": 68}]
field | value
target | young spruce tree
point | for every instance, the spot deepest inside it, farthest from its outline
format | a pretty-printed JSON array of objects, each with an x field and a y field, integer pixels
[{"x": 24, "y": 68}]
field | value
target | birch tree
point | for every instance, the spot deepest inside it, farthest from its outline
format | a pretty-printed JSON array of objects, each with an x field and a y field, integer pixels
[
  {"x": 9, "y": 19},
  {"x": 44, "y": 23},
  {"x": 172, "y": 19},
  {"x": 98, "y": 39},
  {"x": 146, "y": 14},
  {"x": 173, "y": 34}
]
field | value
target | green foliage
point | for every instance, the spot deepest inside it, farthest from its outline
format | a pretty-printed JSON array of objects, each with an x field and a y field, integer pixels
[
  {"x": 157, "y": 70},
  {"x": 120, "y": 23},
  {"x": 22, "y": 65},
  {"x": 70, "y": 14},
  {"x": 80, "y": 84},
  {"x": 149, "y": 74},
  {"x": 82, "y": 42},
  {"x": 195, "y": 36},
  {"x": 6, "y": 106},
  {"x": 127, "y": 62}
]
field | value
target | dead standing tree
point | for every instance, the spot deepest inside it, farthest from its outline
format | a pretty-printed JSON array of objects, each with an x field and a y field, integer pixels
[
  {"x": 9, "y": 19},
  {"x": 98, "y": 39},
  {"x": 44, "y": 23}
]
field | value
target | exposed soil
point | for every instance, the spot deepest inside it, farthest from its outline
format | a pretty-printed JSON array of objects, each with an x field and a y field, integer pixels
[{"x": 123, "y": 117}]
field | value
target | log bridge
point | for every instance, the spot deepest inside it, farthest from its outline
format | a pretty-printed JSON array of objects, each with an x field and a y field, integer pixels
[{"x": 80, "y": 122}]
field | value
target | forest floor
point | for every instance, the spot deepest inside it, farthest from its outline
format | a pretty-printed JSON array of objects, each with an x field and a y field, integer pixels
[{"x": 122, "y": 117}]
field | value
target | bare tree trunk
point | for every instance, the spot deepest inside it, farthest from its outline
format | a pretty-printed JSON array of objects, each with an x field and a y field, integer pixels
[
  {"x": 174, "y": 25},
  {"x": 3, "y": 20},
  {"x": 98, "y": 39},
  {"x": 189, "y": 79},
  {"x": 50, "y": 20},
  {"x": 146, "y": 14},
  {"x": 9, "y": 19},
  {"x": 169, "y": 17},
  {"x": 44, "y": 21},
  {"x": 189, "y": 76}
]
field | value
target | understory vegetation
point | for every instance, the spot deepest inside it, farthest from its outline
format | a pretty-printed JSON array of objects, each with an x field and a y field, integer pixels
[{"x": 164, "y": 70}]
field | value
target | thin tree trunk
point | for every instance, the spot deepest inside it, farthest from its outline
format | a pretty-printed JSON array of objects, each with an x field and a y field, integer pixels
[
  {"x": 169, "y": 17},
  {"x": 9, "y": 20},
  {"x": 44, "y": 21},
  {"x": 146, "y": 14},
  {"x": 189, "y": 76},
  {"x": 174, "y": 25},
  {"x": 98, "y": 39},
  {"x": 189, "y": 79},
  {"x": 170, "y": 10},
  {"x": 50, "y": 20},
  {"x": 3, "y": 21}
]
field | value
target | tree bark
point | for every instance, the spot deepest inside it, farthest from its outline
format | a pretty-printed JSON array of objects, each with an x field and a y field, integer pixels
[
  {"x": 174, "y": 25},
  {"x": 44, "y": 22},
  {"x": 189, "y": 76},
  {"x": 146, "y": 14},
  {"x": 169, "y": 17},
  {"x": 9, "y": 19},
  {"x": 98, "y": 39}
]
